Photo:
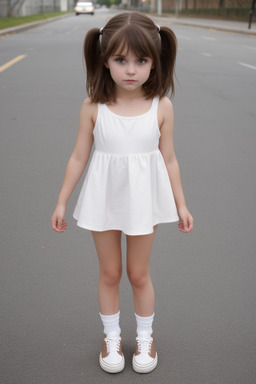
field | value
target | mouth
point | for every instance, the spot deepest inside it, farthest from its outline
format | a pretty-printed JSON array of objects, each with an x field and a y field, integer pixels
[{"x": 130, "y": 81}]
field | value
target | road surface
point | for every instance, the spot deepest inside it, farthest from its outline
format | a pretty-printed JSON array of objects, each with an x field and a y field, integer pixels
[{"x": 204, "y": 281}]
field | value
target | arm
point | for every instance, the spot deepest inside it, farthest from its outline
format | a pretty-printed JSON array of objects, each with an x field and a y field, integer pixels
[
  {"x": 77, "y": 162},
  {"x": 166, "y": 120}
]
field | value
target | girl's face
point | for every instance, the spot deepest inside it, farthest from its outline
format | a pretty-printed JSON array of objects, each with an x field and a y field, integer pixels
[{"x": 128, "y": 71}]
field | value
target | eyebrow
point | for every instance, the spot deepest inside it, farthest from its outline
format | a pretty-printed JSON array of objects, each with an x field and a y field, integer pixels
[
  {"x": 120, "y": 55},
  {"x": 138, "y": 57}
]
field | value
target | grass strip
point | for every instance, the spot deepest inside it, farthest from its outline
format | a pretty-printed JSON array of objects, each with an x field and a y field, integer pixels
[{"x": 8, "y": 22}]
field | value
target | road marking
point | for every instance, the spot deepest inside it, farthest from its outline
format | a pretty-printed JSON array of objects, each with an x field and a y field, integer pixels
[
  {"x": 206, "y": 54},
  {"x": 208, "y": 38},
  {"x": 249, "y": 47},
  {"x": 248, "y": 66},
  {"x": 10, "y": 63}
]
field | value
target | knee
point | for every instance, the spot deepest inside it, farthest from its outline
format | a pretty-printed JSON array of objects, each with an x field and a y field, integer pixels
[
  {"x": 111, "y": 277},
  {"x": 138, "y": 279}
]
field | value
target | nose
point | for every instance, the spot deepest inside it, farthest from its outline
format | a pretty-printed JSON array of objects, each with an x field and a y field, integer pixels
[{"x": 130, "y": 69}]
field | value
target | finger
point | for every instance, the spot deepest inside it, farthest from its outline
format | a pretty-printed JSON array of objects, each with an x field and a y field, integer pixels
[
  {"x": 59, "y": 230},
  {"x": 54, "y": 223},
  {"x": 64, "y": 225},
  {"x": 180, "y": 226},
  {"x": 185, "y": 224},
  {"x": 190, "y": 223},
  {"x": 59, "y": 223},
  {"x": 56, "y": 228}
]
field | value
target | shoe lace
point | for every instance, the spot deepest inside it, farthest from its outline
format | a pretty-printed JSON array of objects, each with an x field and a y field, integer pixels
[
  {"x": 144, "y": 344},
  {"x": 113, "y": 343}
]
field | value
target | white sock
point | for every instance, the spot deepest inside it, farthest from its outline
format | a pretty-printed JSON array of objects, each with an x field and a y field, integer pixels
[
  {"x": 144, "y": 324},
  {"x": 111, "y": 323}
]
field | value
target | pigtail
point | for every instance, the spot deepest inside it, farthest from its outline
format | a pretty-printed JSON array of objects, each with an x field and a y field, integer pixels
[
  {"x": 92, "y": 55},
  {"x": 167, "y": 58}
]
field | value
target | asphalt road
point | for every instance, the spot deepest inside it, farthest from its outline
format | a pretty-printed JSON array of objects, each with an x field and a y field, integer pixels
[{"x": 204, "y": 281}]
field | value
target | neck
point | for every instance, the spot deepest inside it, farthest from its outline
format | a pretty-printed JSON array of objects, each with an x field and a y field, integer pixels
[{"x": 129, "y": 96}]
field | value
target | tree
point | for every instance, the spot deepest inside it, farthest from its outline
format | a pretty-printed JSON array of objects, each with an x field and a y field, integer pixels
[{"x": 12, "y": 5}]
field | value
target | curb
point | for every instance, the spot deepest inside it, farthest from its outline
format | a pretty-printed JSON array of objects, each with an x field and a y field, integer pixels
[
  {"x": 216, "y": 27},
  {"x": 33, "y": 24}
]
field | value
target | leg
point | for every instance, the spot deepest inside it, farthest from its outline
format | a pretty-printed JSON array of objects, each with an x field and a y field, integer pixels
[
  {"x": 108, "y": 247},
  {"x": 138, "y": 256}
]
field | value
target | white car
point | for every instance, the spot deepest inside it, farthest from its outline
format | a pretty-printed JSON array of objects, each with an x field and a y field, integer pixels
[{"x": 84, "y": 7}]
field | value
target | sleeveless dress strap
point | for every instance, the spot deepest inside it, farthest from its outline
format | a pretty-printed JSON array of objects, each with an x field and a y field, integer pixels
[
  {"x": 155, "y": 103},
  {"x": 156, "y": 100}
]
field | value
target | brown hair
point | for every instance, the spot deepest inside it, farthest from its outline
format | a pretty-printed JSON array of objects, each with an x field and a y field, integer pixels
[{"x": 139, "y": 33}]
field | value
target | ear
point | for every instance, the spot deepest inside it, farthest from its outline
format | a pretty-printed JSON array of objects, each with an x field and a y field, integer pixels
[{"x": 106, "y": 65}]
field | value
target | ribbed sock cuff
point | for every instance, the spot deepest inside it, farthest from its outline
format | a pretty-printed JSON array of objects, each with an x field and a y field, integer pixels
[
  {"x": 144, "y": 324},
  {"x": 111, "y": 323}
]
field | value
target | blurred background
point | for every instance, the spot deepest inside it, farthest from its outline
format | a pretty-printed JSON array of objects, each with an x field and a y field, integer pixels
[{"x": 232, "y": 9}]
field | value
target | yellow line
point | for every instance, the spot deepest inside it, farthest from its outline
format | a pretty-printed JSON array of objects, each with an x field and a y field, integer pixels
[{"x": 10, "y": 63}]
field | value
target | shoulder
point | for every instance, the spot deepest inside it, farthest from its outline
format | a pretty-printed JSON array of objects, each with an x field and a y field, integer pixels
[
  {"x": 165, "y": 105},
  {"x": 165, "y": 110},
  {"x": 89, "y": 110},
  {"x": 88, "y": 106}
]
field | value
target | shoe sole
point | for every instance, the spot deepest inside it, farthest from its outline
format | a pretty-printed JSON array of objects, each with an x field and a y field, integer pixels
[
  {"x": 112, "y": 368},
  {"x": 144, "y": 368}
]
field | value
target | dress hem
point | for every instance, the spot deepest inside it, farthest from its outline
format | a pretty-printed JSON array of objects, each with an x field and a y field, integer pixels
[{"x": 124, "y": 230}]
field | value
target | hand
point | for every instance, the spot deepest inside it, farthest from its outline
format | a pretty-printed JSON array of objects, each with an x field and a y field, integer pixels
[
  {"x": 185, "y": 224},
  {"x": 58, "y": 223}
]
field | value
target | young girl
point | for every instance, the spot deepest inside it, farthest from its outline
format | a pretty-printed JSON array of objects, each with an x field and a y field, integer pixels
[{"x": 133, "y": 182}]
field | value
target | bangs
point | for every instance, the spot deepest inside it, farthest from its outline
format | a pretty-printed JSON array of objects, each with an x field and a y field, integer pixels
[{"x": 132, "y": 37}]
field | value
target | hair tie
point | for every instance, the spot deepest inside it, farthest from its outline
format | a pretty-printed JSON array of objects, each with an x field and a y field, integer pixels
[
  {"x": 101, "y": 31},
  {"x": 158, "y": 28}
]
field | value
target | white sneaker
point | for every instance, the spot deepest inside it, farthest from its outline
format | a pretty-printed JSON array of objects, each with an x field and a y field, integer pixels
[
  {"x": 145, "y": 358},
  {"x": 111, "y": 357}
]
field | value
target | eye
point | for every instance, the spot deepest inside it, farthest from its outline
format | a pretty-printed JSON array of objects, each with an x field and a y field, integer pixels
[
  {"x": 142, "y": 61},
  {"x": 120, "y": 60}
]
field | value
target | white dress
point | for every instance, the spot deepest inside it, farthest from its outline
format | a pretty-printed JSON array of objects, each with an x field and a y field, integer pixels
[{"x": 127, "y": 186}]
